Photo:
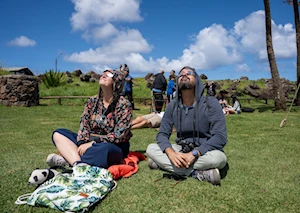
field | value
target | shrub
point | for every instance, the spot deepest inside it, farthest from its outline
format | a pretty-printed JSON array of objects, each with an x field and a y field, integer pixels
[
  {"x": 2, "y": 71},
  {"x": 54, "y": 79}
]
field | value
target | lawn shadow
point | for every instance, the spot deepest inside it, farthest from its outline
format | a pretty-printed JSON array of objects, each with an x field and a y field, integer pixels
[
  {"x": 265, "y": 108},
  {"x": 223, "y": 171}
]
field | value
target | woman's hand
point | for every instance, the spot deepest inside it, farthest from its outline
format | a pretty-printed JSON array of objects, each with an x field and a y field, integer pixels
[{"x": 83, "y": 147}]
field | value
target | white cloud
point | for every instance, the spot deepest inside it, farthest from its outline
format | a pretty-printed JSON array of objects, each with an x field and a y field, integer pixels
[
  {"x": 22, "y": 41},
  {"x": 212, "y": 48},
  {"x": 89, "y": 13},
  {"x": 242, "y": 68},
  {"x": 251, "y": 32},
  {"x": 116, "y": 50},
  {"x": 99, "y": 33}
]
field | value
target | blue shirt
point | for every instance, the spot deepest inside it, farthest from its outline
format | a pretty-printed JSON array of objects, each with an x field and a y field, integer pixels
[
  {"x": 128, "y": 84},
  {"x": 170, "y": 89}
]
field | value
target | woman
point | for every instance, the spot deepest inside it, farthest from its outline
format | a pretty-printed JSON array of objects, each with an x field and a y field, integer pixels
[
  {"x": 236, "y": 109},
  {"x": 104, "y": 133},
  {"x": 222, "y": 100}
]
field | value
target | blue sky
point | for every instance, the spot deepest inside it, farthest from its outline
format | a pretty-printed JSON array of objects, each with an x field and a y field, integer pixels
[{"x": 221, "y": 39}]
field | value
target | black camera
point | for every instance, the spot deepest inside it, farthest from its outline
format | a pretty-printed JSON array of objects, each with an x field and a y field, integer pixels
[{"x": 186, "y": 146}]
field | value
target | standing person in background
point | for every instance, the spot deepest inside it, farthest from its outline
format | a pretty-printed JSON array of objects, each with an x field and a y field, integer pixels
[
  {"x": 159, "y": 86},
  {"x": 172, "y": 73},
  {"x": 171, "y": 88},
  {"x": 127, "y": 90},
  {"x": 126, "y": 68},
  {"x": 211, "y": 88}
]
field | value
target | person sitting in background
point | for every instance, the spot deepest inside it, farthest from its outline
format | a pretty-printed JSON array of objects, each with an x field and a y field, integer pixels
[
  {"x": 236, "y": 108},
  {"x": 222, "y": 101},
  {"x": 151, "y": 120}
]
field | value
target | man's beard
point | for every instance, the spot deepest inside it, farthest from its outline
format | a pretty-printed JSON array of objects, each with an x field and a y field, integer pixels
[{"x": 186, "y": 85}]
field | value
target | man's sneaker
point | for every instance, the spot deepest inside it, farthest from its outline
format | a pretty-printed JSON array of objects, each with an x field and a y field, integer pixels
[
  {"x": 211, "y": 175},
  {"x": 56, "y": 160},
  {"x": 152, "y": 164}
]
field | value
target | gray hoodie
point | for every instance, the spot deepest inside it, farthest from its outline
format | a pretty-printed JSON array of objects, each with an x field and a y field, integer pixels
[{"x": 203, "y": 124}]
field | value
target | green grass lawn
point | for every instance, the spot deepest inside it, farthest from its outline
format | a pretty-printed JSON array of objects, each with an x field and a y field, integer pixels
[{"x": 264, "y": 173}]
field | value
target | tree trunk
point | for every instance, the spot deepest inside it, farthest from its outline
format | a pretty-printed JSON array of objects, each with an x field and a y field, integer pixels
[
  {"x": 297, "y": 25},
  {"x": 279, "y": 97}
]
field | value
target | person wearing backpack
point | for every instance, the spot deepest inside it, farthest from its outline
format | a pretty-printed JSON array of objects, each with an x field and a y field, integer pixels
[
  {"x": 201, "y": 133},
  {"x": 158, "y": 88}
]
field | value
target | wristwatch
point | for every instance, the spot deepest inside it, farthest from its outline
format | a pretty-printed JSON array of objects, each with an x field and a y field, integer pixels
[{"x": 195, "y": 153}]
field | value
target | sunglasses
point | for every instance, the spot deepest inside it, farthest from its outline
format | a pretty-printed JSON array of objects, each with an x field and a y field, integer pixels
[
  {"x": 190, "y": 72},
  {"x": 107, "y": 73}
]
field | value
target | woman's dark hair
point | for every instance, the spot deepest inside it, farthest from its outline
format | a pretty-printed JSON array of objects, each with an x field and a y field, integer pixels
[{"x": 234, "y": 99}]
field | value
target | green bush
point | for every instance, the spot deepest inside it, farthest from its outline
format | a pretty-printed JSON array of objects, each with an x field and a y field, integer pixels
[
  {"x": 54, "y": 78},
  {"x": 3, "y": 72}
]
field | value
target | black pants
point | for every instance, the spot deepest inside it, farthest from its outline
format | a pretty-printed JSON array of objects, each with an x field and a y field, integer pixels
[
  {"x": 159, "y": 101},
  {"x": 129, "y": 96}
]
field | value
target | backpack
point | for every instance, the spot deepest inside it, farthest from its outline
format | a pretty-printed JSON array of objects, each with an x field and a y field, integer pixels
[
  {"x": 73, "y": 192},
  {"x": 247, "y": 109}
]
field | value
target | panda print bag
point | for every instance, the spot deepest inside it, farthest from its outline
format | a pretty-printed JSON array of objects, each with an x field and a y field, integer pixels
[{"x": 74, "y": 192}]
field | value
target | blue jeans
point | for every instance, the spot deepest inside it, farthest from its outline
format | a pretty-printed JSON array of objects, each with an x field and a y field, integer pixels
[{"x": 102, "y": 154}]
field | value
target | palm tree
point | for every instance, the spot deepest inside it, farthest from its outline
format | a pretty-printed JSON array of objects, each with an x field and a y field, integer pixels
[
  {"x": 278, "y": 93},
  {"x": 295, "y": 5}
]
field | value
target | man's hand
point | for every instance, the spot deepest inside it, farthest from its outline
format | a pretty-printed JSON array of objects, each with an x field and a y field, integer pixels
[
  {"x": 190, "y": 157},
  {"x": 179, "y": 159},
  {"x": 83, "y": 147}
]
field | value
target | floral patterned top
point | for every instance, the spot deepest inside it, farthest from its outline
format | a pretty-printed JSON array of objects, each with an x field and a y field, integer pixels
[{"x": 107, "y": 124}]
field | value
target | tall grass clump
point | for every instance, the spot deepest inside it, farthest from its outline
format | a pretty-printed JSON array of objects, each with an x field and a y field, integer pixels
[
  {"x": 3, "y": 72},
  {"x": 54, "y": 79}
]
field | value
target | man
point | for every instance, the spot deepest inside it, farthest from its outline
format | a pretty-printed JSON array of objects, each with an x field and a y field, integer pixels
[
  {"x": 201, "y": 133},
  {"x": 159, "y": 86},
  {"x": 127, "y": 89},
  {"x": 152, "y": 120}
]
